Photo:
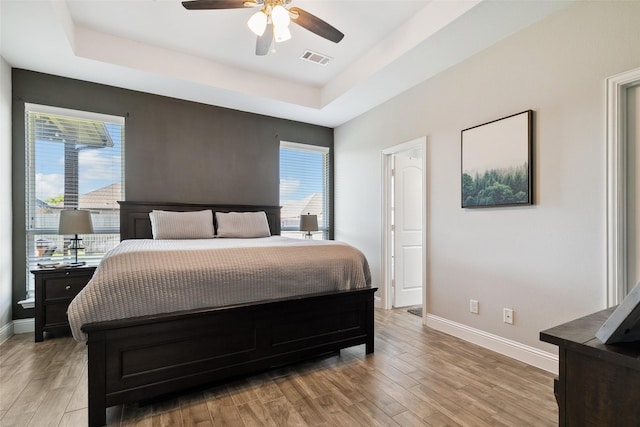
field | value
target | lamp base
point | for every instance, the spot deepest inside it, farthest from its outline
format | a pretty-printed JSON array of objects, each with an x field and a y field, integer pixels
[
  {"x": 308, "y": 236},
  {"x": 75, "y": 247}
]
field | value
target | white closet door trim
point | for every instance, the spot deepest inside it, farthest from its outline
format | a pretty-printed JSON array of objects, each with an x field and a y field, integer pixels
[{"x": 617, "y": 183}]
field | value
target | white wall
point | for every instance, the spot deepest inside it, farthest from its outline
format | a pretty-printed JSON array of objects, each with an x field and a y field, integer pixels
[
  {"x": 5, "y": 195},
  {"x": 547, "y": 261}
]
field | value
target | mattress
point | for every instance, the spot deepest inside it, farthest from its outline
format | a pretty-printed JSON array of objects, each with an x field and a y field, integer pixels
[{"x": 146, "y": 277}]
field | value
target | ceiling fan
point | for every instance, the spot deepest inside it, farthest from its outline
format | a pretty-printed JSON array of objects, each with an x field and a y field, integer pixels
[{"x": 271, "y": 22}]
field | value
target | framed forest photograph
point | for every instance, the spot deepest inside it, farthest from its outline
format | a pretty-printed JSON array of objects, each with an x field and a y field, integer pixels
[{"x": 497, "y": 162}]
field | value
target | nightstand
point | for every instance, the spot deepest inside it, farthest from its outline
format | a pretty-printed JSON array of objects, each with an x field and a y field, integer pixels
[{"x": 55, "y": 288}]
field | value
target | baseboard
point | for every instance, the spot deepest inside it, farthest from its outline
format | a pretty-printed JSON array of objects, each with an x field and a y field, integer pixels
[
  {"x": 24, "y": 326},
  {"x": 6, "y": 332},
  {"x": 524, "y": 353},
  {"x": 20, "y": 326}
]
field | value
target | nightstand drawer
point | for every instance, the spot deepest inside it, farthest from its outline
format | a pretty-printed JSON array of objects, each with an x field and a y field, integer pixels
[
  {"x": 56, "y": 313},
  {"x": 67, "y": 287}
]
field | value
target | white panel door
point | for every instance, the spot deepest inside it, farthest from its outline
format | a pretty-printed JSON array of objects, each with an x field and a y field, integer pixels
[{"x": 407, "y": 248}]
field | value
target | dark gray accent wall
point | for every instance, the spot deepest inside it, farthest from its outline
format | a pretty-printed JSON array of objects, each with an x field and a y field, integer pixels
[{"x": 175, "y": 150}]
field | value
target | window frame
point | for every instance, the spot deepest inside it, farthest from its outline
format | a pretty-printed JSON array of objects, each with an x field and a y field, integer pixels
[
  {"x": 326, "y": 226},
  {"x": 31, "y": 228}
]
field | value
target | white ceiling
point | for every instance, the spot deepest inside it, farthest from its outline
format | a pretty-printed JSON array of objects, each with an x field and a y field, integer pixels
[{"x": 159, "y": 47}]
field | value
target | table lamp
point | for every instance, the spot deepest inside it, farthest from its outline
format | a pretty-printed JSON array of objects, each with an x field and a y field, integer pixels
[
  {"x": 75, "y": 221},
  {"x": 308, "y": 223}
]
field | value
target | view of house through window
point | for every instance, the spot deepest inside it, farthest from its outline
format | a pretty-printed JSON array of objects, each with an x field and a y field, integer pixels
[
  {"x": 74, "y": 159},
  {"x": 304, "y": 187}
]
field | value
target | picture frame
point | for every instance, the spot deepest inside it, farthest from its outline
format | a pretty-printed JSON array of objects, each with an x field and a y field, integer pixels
[{"x": 497, "y": 162}]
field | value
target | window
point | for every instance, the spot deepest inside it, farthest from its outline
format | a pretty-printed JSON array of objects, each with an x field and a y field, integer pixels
[
  {"x": 304, "y": 187},
  {"x": 74, "y": 159}
]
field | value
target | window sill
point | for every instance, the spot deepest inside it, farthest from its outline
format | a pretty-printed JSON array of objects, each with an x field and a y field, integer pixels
[{"x": 28, "y": 303}]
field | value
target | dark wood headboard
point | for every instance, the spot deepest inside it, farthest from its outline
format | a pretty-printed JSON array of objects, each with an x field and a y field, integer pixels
[{"x": 135, "y": 222}]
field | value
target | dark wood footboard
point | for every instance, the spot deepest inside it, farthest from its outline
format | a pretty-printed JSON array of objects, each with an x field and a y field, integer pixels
[{"x": 138, "y": 359}]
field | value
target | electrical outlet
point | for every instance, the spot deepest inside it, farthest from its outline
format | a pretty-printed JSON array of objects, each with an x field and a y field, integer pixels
[
  {"x": 473, "y": 306},
  {"x": 507, "y": 315}
]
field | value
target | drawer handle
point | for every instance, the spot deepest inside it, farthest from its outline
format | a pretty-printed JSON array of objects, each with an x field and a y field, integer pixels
[{"x": 68, "y": 287}]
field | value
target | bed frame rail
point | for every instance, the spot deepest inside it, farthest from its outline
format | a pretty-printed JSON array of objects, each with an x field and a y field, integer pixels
[{"x": 142, "y": 358}]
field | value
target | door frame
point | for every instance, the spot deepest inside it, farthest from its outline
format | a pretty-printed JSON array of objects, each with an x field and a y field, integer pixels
[
  {"x": 387, "y": 154},
  {"x": 616, "y": 86}
]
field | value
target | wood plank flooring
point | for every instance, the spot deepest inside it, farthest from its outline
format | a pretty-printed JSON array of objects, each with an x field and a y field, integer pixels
[{"x": 416, "y": 377}]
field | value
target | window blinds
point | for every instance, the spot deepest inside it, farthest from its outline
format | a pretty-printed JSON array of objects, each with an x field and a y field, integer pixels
[
  {"x": 74, "y": 159},
  {"x": 304, "y": 186}
]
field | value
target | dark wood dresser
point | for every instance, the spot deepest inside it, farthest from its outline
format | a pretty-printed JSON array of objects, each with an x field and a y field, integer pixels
[
  {"x": 55, "y": 288},
  {"x": 598, "y": 385}
]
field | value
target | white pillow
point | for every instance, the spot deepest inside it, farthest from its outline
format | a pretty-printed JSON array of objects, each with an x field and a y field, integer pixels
[
  {"x": 242, "y": 224},
  {"x": 182, "y": 225}
]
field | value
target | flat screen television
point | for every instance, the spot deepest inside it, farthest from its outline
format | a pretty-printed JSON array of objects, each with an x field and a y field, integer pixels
[{"x": 624, "y": 323}]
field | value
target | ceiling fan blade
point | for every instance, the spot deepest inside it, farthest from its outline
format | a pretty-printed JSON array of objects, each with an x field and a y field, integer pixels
[
  {"x": 263, "y": 43},
  {"x": 213, "y": 4},
  {"x": 315, "y": 25}
]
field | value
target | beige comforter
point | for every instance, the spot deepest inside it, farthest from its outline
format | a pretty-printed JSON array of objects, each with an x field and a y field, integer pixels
[{"x": 144, "y": 277}]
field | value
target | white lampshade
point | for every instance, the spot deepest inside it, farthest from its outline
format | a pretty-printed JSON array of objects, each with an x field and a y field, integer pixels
[
  {"x": 258, "y": 23},
  {"x": 75, "y": 221},
  {"x": 280, "y": 17},
  {"x": 308, "y": 222},
  {"x": 281, "y": 34}
]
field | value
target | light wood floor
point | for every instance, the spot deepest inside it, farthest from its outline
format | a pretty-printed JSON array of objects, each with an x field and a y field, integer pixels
[{"x": 416, "y": 377}]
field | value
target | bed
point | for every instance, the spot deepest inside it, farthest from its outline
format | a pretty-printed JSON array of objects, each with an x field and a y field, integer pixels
[{"x": 139, "y": 358}]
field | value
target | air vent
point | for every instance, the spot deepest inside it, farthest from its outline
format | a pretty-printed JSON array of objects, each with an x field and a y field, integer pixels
[{"x": 315, "y": 57}]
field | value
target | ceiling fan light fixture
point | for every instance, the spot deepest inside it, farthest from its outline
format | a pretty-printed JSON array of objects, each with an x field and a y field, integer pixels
[
  {"x": 258, "y": 23},
  {"x": 272, "y": 22}
]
